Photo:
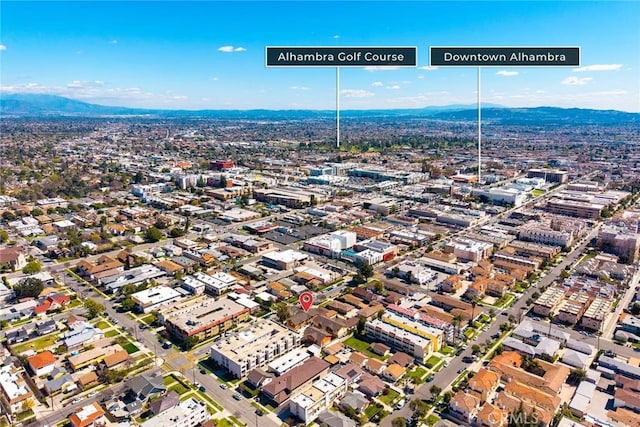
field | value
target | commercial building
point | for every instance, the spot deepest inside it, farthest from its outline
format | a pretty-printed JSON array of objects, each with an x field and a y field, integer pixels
[
  {"x": 621, "y": 241},
  {"x": 203, "y": 317},
  {"x": 253, "y": 346},
  {"x": 542, "y": 233},
  {"x": 575, "y": 208},
  {"x": 284, "y": 260},
  {"x": 550, "y": 175},
  {"x": 153, "y": 298}
]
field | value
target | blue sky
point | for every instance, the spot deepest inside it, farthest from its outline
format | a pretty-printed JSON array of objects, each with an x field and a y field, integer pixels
[{"x": 210, "y": 55}]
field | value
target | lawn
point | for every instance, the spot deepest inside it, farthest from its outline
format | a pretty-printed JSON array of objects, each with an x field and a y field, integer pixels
[
  {"x": 388, "y": 398},
  {"x": 223, "y": 422},
  {"x": 103, "y": 325},
  {"x": 446, "y": 350},
  {"x": 469, "y": 332},
  {"x": 504, "y": 301},
  {"x": 148, "y": 319},
  {"x": 131, "y": 348},
  {"x": 111, "y": 333},
  {"x": 371, "y": 410},
  {"x": 363, "y": 347},
  {"x": 537, "y": 193},
  {"x": 178, "y": 388},
  {"x": 432, "y": 419},
  {"x": 432, "y": 361},
  {"x": 37, "y": 344},
  {"x": 418, "y": 373}
]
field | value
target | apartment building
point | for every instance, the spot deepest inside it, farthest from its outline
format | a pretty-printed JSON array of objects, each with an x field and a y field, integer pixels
[{"x": 253, "y": 346}]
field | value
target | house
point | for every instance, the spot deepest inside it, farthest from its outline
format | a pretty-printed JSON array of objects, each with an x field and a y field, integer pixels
[
  {"x": 258, "y": 377},
  {"x": 356, "y": 401},
  {"x": 371, "y": 385},
  {"x": 165, "y": 402},
  {"x": 143, "y": 387},
  {"x": 12, "y": 259},
  {"x": 81, "y": 333},
  {"x": 52, "y": 302},
  {"x": 87, "y": 416},
  {"x": 87, "y": 379},
  {"x": 375, "y": 366},
  {"x": 393, "y": 372},
  {"x": 42, "y": 363},
  {"x": 464, "y": 406},
  {"x": 491, "y": 416},
  {"x": 402, "y": 359},
  {"x": 485, "y": 382},
  {"x": 115, "y": 359},
  {"x": 65, "y": 384},
  {"x": 46, "y": 327}
]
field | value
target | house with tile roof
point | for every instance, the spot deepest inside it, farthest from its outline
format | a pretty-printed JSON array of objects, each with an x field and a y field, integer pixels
[
  {"x": 464, "y": 406},
  {"x": 484, "y": 383},
  {"x": 42, "y": 363},
  {"x": 87, "y": 416}
]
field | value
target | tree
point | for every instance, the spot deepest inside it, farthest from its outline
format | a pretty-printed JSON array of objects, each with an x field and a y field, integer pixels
[
  {"x": 32, "y": 267},
  {"x": 576, "y": 376},
  {"x": 398, "y": 422},
  {"x": 191, "y": 342},
  {"x": 282, "y": 312},
  {"x": 153, "y": 234},
  {"x": 176, "y": 232},
  {"x": 457, "y": 319},
  {"x": 361, "y": 324},
  {"x": 4, "y": 236},
  {"x": 492, "y": 313},
  {"x": 29, "y": 287},
  {"x": 475, "y": 349},
  {"x": 128, "y": 304},
  {"x": 435, "y": 390},
  {"x": 94, "y": 308},
  {"x": 446, "y": 398},
  {"x": 366, "y": 270}
]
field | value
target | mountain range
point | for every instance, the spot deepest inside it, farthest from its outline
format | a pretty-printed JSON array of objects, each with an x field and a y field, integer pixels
[{"x": 40, "y": 105}]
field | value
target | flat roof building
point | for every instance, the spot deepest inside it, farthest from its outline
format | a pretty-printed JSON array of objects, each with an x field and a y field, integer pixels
[
  {"x": 203, "y": 317},
  {"x": 253, "y": 346}
]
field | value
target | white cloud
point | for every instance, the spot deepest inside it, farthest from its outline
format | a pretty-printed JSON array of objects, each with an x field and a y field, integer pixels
[
  {"x": 507, "y": 73},
  {"x": 79, "y": 84},
  {"x": 3, "y": 47},
  {"x": 377, "y": 84},
  {"x": 420, "y": 76},
  {"x": 356, "y": 93},
  {"x": 114, "y": 41},
  {"x": 599, "y": 67},
  {"x": 229, "y": 49},
  {"x": 214, "y": 78},
  {"x": 393, "y": 87},
  {"x": 575, "y": 81},
  {"x": 381, "y": 68},
  {"x": 428, "y": 68},
  {"x": 299, "y": 88},
  {"x": 337, "y": 36}
]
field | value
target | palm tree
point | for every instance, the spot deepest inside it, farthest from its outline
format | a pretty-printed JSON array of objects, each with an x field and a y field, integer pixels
[
  {"x": 457, "y": 319},
  {"x": 474, "y": 302}
]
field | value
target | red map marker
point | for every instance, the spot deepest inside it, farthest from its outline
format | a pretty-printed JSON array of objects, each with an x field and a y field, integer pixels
[{"x": 306, "y": 300}]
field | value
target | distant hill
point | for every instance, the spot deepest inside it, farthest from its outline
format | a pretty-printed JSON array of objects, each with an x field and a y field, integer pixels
[{"x": 35, "y": 105}]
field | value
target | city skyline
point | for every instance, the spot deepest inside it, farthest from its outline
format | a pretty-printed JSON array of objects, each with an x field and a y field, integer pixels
[{"x": 211, "y": 55}]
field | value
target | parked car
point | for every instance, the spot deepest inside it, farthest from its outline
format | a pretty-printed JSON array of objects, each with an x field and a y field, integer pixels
[
  {"x": 237, "y": 396},
  {"x": 431, "y": 378},
  {"x": 223, "y": 386}
]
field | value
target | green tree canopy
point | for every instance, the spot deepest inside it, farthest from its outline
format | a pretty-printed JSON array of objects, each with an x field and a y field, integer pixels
[{"x": 29, "y": 287}]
